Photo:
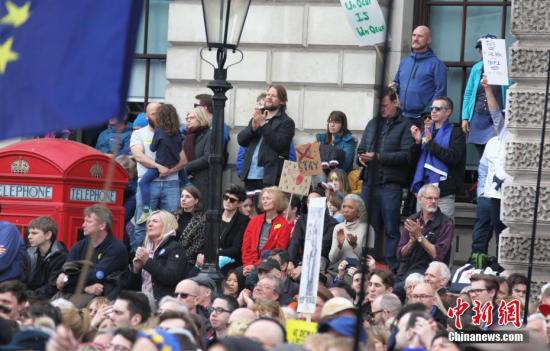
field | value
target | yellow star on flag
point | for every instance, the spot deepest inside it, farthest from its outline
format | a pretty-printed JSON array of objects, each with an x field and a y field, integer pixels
[
  {"x": 6, "y": 55},
  {"x": 16, "y": 15}
]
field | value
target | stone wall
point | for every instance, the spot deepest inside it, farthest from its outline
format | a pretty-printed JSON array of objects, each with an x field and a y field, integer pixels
[
  {"x": 528, "y": 59},
  {"x": 307, "y": 46}
]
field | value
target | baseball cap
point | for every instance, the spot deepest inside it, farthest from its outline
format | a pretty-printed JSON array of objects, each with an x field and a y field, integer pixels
[
  {"x": 268, "y": 265},
  {"x": 344, "y": 326},
  {"x": 486, "y": 36},
  {"x": 204, "y": 280},
  {"x": 140, "y": 121},
  {"x": 336, "y": 305},
  {"x": 30, "y": 339}
]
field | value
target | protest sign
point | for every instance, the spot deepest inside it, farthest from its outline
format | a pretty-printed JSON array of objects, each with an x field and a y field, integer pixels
[
  {"x": 292, "y": 181},
  {"x": 309, "y": 159},
  {"x": 366, "y": 20},
  {"x": 297, "y": 330},
  {"x": 495, "y": 64},
  {"x": 311, "y": 262}
]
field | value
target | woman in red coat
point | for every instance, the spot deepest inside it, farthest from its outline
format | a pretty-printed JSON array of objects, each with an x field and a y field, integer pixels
[{"x": 266, "y": 231}]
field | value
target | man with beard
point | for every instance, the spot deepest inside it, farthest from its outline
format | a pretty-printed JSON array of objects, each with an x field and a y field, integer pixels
[
  {"x": 165, "y": 194},
  {"x": 426, "y": 236},
  {"x": 267, "y": 140}
]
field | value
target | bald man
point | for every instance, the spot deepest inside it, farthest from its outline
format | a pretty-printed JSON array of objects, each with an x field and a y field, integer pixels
[
  {"x": 421, "y": 77},
  {"x": 268, "y": 332},
  {"x": 188, "y": 292},
  {"x": 165, "y": 193},
  {"x": 424, "y": 293}
]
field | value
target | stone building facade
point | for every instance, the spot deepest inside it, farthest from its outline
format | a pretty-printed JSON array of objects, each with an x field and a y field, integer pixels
[{"x": 528, "y": 61}]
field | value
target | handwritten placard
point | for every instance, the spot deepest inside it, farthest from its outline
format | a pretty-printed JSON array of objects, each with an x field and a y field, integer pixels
[
  {"x": 495, "y": 64},
  {"x": 292, "y": 181},
  {"x": 311, "y": 260},
  {"x": 366, "y": 20},
  {"x": 309, "y": 159},
  {"x": 297, "y": 330}
]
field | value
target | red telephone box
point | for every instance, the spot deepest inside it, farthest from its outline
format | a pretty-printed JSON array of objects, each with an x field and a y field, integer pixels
[{"x": 58, "y": 178}]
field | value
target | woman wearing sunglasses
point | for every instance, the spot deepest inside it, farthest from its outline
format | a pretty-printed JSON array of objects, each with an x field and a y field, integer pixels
[{"x": 232, "y": 228}]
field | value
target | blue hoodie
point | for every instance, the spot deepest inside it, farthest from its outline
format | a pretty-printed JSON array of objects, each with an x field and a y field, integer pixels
[
  {"x": 13, "y": 257},
  {"x": 421, "y": 77}
]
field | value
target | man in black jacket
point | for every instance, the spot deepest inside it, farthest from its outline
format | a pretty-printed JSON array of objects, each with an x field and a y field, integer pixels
[
  {"x": 388, "y": 155},
  {"x": 267, "y": 140},
  {"x": 109, "y": 259},
  {"x": 441, "y": 153},
  {"x": 46, "y": 257}
]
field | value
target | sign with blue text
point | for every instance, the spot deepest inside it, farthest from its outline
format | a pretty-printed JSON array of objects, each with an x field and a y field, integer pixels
[{"x": 366, "y": 20}]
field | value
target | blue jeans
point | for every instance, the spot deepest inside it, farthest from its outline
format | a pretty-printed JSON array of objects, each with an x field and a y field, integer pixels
[
  {"x": 147, "y": 179},
  {"x": 483, "y": 230},
  {"x": 165, "y": 195},
  {"x": 385, "y": 215}
]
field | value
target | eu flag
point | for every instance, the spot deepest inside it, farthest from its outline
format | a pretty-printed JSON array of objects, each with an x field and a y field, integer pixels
[{"x": 64, "y": 63}]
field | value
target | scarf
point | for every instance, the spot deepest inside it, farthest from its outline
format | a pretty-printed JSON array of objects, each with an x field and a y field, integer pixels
[
  {"x": 189, "y": 144},
  {"x": 146, "y": 281},
  {"x": 430, "y": 169}
]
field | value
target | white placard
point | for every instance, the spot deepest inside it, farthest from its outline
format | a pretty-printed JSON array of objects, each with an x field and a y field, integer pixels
[
  {"x": 25, "y": 191},
  {"x": 495, "y": 64},
  {"x": 366, "y": 20},
  {"x": 311, "y": 261}
]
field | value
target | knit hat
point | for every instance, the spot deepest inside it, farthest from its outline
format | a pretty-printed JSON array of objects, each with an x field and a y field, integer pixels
[{"x": 486, "y": 36}]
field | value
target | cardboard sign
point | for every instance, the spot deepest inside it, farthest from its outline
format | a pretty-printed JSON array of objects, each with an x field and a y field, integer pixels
[
  {"x": 297, "y": 330},
  {"x": 292, "y": 181},
  {"x": 366, "y": 20},
  {"x": 495, "y": 64},
  {"x": 311, "y": 261},
  {"x": 309, "y": 159}
]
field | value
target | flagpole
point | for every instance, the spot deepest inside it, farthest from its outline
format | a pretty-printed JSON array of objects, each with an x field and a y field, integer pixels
[
  {"x": 372, "y": 171},
  {"x": 537, "y": 195}
]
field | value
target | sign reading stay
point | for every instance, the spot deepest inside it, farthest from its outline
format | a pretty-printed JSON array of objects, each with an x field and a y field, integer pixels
[
  {"x": 309, "y": 159},
  {"x": 366, "y": 20},
  {"x": 292, "y": 181}
]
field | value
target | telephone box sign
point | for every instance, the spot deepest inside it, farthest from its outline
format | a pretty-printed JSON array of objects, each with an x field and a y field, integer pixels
[
  {"x": 93, "y": 195},
  {"x": 21, "y": 191}
]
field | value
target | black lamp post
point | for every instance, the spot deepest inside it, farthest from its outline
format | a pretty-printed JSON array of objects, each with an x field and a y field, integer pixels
[{"x": 224, "y": 22}]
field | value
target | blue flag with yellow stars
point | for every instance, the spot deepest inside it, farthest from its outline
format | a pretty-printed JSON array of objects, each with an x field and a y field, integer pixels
[{"x": 64, "y": 63}]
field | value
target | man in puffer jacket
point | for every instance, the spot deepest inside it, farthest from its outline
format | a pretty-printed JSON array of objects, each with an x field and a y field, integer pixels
[{"x": 421, "y": 76}]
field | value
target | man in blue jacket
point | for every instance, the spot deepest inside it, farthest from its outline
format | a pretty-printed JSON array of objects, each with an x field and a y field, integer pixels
[
  {"x": 421, "y": 77},
  {"x": 13, "y": 256}
]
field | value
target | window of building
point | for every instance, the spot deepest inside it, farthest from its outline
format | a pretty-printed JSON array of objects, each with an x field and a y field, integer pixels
[
  {"x": 148, "y": 80},
  {"x": 456, "y": 26}
]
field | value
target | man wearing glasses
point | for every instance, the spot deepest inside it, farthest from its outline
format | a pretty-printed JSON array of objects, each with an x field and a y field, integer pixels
[
  {"x": 221, "y": 309},
  {"x": 426, "y": 237},
  {"x": 424, "y": 293},
  {"x": 484, "y": 288},
  {"x": 188, "y": 292},
  {"x": 440, "y": 149}
]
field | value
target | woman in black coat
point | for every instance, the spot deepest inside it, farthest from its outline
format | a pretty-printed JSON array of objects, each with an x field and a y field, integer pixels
[
  {"x": 197, "y": 145},
  {"x": 159, "y": 265},
  {"x": 232, "y": 228}
]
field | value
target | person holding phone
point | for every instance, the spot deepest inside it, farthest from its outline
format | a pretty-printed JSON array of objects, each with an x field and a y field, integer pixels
[{"x": 388, "y": 153}]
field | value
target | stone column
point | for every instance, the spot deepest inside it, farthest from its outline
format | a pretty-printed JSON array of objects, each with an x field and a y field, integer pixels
[{"x": 524, "y": 115}]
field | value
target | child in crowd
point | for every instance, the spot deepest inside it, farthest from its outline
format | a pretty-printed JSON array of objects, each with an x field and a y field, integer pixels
[{"x": 167, "y": 145}]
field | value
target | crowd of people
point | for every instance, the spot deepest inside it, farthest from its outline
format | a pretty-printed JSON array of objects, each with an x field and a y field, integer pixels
[{"x": 148, "y": 291}]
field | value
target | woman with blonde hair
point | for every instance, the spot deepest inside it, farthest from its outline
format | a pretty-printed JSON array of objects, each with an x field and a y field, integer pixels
[
  {"x": 268, "y": 308},
  {"x": 266, "y": 231},
  {"x": 159, "y": 265},
  {"x": 196, "y": 146}
]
